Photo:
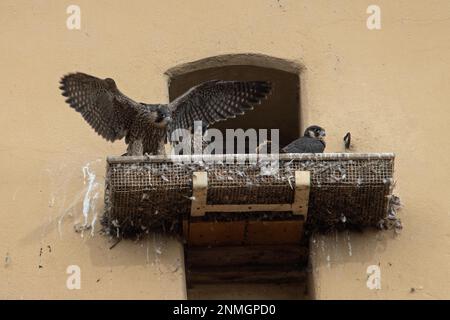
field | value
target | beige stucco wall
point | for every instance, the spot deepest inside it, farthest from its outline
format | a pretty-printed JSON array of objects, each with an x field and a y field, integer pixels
[{"x": 388, "y": 87}]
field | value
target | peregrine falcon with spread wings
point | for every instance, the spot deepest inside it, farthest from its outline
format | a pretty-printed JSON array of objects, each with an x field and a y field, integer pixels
[{"x": 146, "y": 126}]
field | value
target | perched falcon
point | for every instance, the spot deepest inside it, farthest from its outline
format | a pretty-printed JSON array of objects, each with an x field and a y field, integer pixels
[
  {"x": 145, "y": 126},
  {"x": 311, "y": 142}
]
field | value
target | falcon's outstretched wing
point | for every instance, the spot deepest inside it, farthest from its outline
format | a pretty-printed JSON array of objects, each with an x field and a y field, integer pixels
[
  {"x": 108, "y": 111},
  {"x": 216, "y": 100}
]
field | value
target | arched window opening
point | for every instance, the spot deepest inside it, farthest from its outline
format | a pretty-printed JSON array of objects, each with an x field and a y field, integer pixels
[
  {"x": 219, "y": 244},
  {"x": 280, "y": 111}
]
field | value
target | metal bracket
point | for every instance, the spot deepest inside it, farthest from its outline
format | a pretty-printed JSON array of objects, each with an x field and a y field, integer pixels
[{"x": 199, "y": 204}]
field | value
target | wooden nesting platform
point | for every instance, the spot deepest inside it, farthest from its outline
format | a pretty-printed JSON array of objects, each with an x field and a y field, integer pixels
[
  {"x": 244, "y": 250},
  {"x": 241, "y": 223}
]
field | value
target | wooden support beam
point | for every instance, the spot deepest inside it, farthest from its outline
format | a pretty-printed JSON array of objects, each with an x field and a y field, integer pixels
[
  {"x": 199, "y": 193},
  {"x": 301, "y": 198},
  {"x": 199, "y": 204}
]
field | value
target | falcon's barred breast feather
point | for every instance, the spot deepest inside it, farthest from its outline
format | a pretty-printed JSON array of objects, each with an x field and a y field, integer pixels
[{"x": 114, "y": 116}]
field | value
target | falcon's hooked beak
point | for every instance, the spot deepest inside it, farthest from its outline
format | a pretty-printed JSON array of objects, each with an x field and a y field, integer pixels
[
  {"x": 322, "y": 134},
  {"x": 167, "y": 119}
]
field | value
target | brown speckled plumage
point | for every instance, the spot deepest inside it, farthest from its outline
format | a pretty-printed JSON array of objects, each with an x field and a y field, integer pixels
[{"x": 145, "y": 126}]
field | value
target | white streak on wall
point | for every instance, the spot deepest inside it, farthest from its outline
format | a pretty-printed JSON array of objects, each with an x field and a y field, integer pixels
[
  {"x": 94, "y": 218},
  {"x": 15, "y": 194},
  {"x": 157, "y": 246},
  {"x": 349, "y": 244},
  {"x": 67, "y": 210},
  {"x": 148, "y": 257},
  {"x": 61, "y": 216},
  {"x": 51, "y": 203},
  {"x": 62, "y": 200},
  {"x": 88, "y": 197}
]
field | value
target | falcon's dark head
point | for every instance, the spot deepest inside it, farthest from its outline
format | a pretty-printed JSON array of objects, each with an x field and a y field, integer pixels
[
  {"x": 111, "y": 83},
  {"x": 159, "y": 115},
  {"x": 315, "y": 132},
  {"x": 163, "y": 117}
]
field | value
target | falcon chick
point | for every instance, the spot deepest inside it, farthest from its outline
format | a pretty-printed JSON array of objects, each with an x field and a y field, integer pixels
[
  {"x": 311, "y": 142},
  {"x": 146, "y": 126}
]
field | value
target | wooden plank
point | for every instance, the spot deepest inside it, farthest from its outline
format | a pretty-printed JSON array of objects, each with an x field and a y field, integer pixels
[
  {"x": 207, "y": 233},
  {"x": 252, "y": 157},
  {"x": 246, "y": 255},
  {"x": 274, "y": 232},
  {"x": 244, "y": 232},
  {"x": 185, "y": 230},
  {"x": 301, "y": 197},
  {"x": 199, "y": 193},
  {"x": 199, "y": 204},
  {"x": 232, "y": 208},
  {"x": 245, "y": 274}
]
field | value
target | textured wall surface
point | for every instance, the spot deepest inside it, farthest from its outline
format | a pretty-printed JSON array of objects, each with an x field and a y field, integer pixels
[{"x": 389, "y": 87}]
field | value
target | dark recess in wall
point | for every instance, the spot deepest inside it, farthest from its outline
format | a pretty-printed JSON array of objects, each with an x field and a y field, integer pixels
[{"x": 281, "y": 111}]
